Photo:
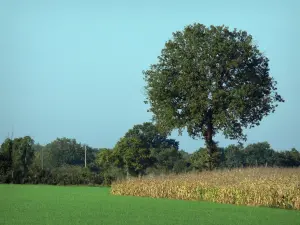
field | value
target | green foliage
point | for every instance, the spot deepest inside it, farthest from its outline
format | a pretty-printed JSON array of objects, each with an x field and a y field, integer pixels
[
  {"x": 143, "y": 147},
  {"x": 16, "y": 156},
  {"x": 287, "y": 158},
  {"x": 142, "y": 151},
  {"x": 259, "y": 154},
  {"x": 234, "y": 157},
  {"x": 165, "y": 159},
  {"x": 68, "y": 175},
  {"x": 183, "y": 164},
  {"x": 201, "y": 160},
  {"x": 150, "y": 136},
  {"x": 104, "y": 158},
  {"x": 22, "y": 156},
  {"x": 66, "y": 151},
  {"x": 107, "y": 162},
  {"x": 209, "y": 80},
  {"x": 210, "y": 68},
  {"x": 6, "y": 161},
  {"x": 134, "y": 155}
]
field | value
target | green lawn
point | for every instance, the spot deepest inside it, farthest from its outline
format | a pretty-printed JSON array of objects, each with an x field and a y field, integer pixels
[{"x": 51, "y": 205}]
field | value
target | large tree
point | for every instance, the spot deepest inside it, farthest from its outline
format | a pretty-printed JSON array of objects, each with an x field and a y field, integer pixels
[{"x": 209, "y": 80}]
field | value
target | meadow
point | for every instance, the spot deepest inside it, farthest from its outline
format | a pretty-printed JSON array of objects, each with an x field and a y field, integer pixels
[
  {"x": 271, "y": 187},
  {"x": 74, "y": 205}
]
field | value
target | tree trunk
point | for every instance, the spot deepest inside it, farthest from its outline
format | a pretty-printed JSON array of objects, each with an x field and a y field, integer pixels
[{"x": 208, "y": 139}]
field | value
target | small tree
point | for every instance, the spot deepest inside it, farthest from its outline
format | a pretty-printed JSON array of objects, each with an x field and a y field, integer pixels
[
  {"x": 209, "y": 80},
  {"x": 141, "y": 148},
  {"x": 133, "y": 155},
  {"x": 22, "y": 157},
  {"x": 6, "y": 160}
]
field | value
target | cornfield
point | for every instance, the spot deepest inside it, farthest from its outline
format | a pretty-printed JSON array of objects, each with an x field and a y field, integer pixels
[{"x": 271, "y": 187}]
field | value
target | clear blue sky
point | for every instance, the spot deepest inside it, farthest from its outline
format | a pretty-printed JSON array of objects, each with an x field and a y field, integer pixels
[{"x": 74, "y": 69}]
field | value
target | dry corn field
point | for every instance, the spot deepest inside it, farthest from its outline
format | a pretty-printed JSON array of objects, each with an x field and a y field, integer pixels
[{"x": 271, "y": 187}]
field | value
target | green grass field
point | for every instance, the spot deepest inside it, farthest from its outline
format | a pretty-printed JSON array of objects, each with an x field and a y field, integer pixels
[{"x": 53, "y": 205}]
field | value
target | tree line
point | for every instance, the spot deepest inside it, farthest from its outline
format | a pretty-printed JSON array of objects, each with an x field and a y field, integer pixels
[{"x": 143, "y": 150}]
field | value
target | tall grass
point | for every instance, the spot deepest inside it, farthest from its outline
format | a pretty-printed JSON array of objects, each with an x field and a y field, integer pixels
[{"x": 272, "y": 187}]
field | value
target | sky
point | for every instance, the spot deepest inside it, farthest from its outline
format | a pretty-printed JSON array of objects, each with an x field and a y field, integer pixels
[{"x": 74, "y": 68}]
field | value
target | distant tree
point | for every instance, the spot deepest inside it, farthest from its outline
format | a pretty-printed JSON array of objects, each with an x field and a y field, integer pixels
[
  {"x": 22, "y": 157},
  {"x": 209, "y": 80},
  {"x": 259, "y": 154},
  {"x": 6, "y": 160},
  {"x": 181, "y": 166},
  {"x": 166, "y": 159},
  {"x": 295, "y": 156},
  {"x": 66, "y": 151},
  {"x": 104, "y": 158},
  {"x": 290, "y": 158},
  {"x": 38, "y": 157},
  {"x": 234, "y": 156}
]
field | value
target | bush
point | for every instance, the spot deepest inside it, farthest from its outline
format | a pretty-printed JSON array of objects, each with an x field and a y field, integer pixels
[
  {"x": 65, "y": 175},
  {"x": 112, "y": 174},
  {"x": 5, "y": 177}
]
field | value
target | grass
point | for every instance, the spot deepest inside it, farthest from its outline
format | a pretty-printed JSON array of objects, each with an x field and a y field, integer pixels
[
  {"x": 271, "y": 187},
  {"x": 54, "y": 205}
]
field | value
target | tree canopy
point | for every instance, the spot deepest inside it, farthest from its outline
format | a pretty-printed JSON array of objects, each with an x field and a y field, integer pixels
[
  {"x": 209, "y": 80},
  {"x": 66, "y": 151},
  {"x": 142, "y": 147}
]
